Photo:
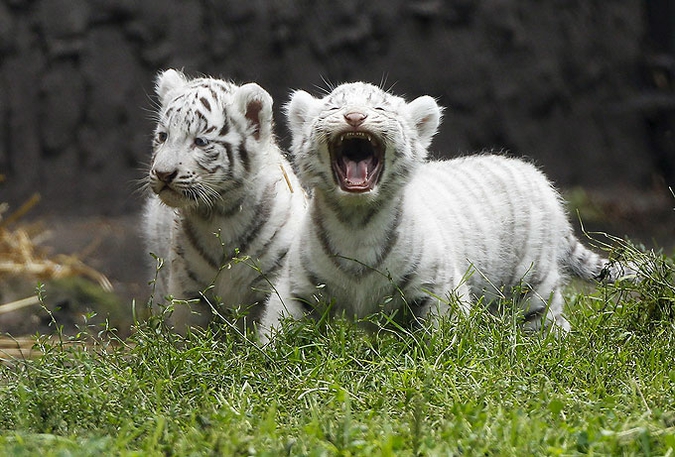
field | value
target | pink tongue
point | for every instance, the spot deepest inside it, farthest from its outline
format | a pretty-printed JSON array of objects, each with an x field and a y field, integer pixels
[{"x": 356, "y": 172}]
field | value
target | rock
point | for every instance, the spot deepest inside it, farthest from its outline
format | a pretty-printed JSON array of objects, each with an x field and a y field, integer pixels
[
  {"x": 539, "y": 79},
  {"x": 62, "y": 106},
  {"x": 63, "y": 18},
  {"x": 6, "y": 30}
]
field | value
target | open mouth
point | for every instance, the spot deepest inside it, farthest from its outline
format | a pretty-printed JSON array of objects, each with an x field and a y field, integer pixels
[{"x": 357, "y": 159}]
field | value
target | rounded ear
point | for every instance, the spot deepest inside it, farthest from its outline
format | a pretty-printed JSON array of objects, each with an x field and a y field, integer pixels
[
  {"x": 425, "y": 113},
  {"x": 298, "y": 108},
  {"x": 255, "y": 104},
  {"x": 167, "y": 81}
]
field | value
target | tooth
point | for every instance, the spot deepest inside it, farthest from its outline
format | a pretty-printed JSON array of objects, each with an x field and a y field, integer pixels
[
  {"x": 342, "y": 137},
  {"x": 369, "y": 138}
]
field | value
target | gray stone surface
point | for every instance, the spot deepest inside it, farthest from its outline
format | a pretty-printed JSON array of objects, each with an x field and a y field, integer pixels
[{"x": 554, "y": 81}]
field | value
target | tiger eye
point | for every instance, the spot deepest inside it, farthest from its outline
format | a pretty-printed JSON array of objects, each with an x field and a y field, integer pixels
[{"x": 201, "y": 142}]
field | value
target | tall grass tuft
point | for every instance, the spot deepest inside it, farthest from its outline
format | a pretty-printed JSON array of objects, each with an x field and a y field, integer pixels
[{"x": 472, "y": 385}]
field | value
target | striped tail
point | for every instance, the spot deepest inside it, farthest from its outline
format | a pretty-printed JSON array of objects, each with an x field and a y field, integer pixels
[{"x": 590, "y": 266}]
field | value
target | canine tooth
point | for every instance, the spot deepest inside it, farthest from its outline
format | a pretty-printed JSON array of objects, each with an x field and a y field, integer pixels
[{"x": 369, "y": 138}]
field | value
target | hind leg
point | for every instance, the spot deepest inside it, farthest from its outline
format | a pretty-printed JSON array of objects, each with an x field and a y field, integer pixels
[{"x": 543, "y": 306}]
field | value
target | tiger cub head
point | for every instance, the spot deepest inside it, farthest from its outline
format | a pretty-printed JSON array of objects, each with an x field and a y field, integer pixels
[
  {"x": 359, "y": 140},
  {"x": 210, "y": 139}
]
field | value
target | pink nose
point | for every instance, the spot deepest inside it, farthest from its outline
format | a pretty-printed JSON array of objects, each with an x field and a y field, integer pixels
[{"x": 355, "y": 118}]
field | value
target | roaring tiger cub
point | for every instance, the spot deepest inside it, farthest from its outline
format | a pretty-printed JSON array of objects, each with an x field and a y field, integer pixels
[
  {"x": 389, "y": 230},
  {"x": 222, "y": 190}
]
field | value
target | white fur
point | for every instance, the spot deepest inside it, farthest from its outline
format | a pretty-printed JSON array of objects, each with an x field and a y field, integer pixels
[
  {"x": 430, "y": 231},
  {"x": 230, "y": 179}
]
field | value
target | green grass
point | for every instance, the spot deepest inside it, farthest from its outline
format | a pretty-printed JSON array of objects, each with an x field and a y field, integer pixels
[{"x": 476, "y": 385}]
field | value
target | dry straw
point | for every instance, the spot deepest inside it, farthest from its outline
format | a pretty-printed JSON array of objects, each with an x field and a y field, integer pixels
[{"x": 20, "y": 255}]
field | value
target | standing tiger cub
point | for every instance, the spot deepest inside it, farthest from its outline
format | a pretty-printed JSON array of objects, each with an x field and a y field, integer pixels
[
  {"x": 389, "y": 230},
  {"x": 222, "y": 189}
]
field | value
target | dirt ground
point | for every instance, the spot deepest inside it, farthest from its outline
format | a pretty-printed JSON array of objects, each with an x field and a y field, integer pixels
[{"x": 111, "y": 246}]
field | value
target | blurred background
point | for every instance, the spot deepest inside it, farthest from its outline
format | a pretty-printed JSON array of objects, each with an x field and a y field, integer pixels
[{"x": 584, "y": 88}]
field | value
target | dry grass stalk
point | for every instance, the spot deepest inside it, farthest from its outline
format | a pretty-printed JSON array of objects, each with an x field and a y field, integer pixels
[
  {"x": 20, "y": 256},
  {"x": 12, "y": 349},
  {"x": 25, "y": 347},
  {"x": 19, "y": 304}
]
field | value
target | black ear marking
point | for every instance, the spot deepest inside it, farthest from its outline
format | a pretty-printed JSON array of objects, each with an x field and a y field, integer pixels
[{"x": 253, "y": 109}]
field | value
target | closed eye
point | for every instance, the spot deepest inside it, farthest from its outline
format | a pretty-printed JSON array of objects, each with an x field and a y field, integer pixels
[{"x": 201, "y": 142}]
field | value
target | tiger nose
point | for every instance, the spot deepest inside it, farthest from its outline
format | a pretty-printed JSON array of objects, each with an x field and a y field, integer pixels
[
  {"x": 355, "y": 118},
  {"x": 166, "y": 176}
]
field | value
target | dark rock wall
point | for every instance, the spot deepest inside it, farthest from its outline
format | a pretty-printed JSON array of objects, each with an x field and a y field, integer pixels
[{"x": 554, "y": 81}]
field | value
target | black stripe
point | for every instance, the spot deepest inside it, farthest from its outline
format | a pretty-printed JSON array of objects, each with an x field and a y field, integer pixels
[
  {"x": 311, "y": 276},
  {"x": 313, "y": 280},
  {"x": 206, "y": 103},
  {"x": 194, "y": 241},
  {"x": 408, "y": 276},
  {"x": 260, "y": 218},
  {"x": 349, "y": 266},
  {"x": 195, "y": 279},
  {"x": 502, "y": 185},
  {"x": 276, "y": 265},
  {"x": 420, "y": 303},
  {"x": 179, "y": 251},
  {"x": 306, "y": 306},
  {"x": 265, "y": 247},
  {"x": 232, "y": 209},
  {"x": 245, "y": 159},
  {"x": 224, "y": 129},
  {"x": 392, "y": 237},
  {"x": 204, "y": 164},
  {"x": 545, "y": 239},
  {"x": 320, "y": 232},
  {"x": 230, "y": 155}
]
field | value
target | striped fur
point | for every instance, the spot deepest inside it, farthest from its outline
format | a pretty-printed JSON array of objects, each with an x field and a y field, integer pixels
[
  {"x": 465, "y": 228},
  {"x": 216, "y": 169}
]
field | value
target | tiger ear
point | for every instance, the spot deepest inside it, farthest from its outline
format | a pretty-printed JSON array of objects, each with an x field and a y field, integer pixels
[
  {"x": 256, "y": 105},
  {"x": 426, "y": 115},
  {"x": 167, "y": 81},
  {"x": 298, "y": 108}
]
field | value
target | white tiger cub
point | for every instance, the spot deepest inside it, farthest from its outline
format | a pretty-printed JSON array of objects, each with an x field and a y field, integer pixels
[
  {"x": 388, "y": 230},
  {"x": 216, "y": 169}
]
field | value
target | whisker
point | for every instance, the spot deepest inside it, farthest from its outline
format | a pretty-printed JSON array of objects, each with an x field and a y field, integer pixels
[
  {"x": 383, "y": 81},
  {"x": 329, "y": 86},
  {"x": 391, "y": 87},
  {"x": 140, "y": 186},
  {"x": 210, "y": 195},
  {"x": 201, "y": 196},
  {"x": 154, "y": 101}
]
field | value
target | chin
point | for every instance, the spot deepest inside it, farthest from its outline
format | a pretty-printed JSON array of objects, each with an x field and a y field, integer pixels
[{"x": 173, "y": 199}]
